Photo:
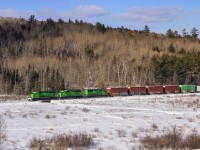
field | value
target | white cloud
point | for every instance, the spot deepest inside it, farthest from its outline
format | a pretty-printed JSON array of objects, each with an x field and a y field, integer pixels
[
  {"x": 91, "y": 11},
  {"x": 14, "y": 13},
  {"x": 150, "y": 15},
  {"x": 85, "y": 12},
  {"x": 196, "y": 12},
  {"x": 82, "y": 12}
]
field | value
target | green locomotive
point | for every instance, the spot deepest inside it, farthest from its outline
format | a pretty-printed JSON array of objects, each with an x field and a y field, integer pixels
[
  {"x": 74, "y": 93},
  {"x": 94, "y": 92},
  {"x": 42, "y": 95}
]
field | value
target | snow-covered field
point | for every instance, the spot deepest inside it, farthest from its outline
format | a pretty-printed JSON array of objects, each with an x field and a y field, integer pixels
[{"x": 114, "y": 122}]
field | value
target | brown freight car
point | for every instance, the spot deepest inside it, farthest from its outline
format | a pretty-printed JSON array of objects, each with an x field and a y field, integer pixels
[
  {"x": 140, "y": 90},
  {"x": 171, "y": 89},
  {"x": 119, "y": 91},
  {"x": 155, "y": 89}
]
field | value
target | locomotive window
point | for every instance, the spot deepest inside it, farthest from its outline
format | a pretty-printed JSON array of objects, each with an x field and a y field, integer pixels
[{"x": 77, "y": 90}]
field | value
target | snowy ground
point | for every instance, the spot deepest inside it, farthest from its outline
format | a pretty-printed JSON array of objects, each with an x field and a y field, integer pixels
[{"x": 115, "y": 123}]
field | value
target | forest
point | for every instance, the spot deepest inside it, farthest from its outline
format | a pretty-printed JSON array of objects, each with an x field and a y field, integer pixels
[{"x": 55, "y": 55}]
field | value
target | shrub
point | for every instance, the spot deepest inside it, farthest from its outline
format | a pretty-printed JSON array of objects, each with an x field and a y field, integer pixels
[
  {"x": 182, "y": 51},
  {"x": 134, "y": 134},
  {"x": 96, "y": 130},
  {"x": 173, "y": 139},
  {"x": 156, "y": 49},
  {"x": 192, "y": 140},
  {"x": 34, "y": 143},
  {"x": 62, "y": 141},
  {"x": 154, "y": 126},
  {"x": 121, "y": 133},
  {"x": 50, "y": 116},
  {"x": 85, "y": 110},
  {"x": 171, "y": 48}
]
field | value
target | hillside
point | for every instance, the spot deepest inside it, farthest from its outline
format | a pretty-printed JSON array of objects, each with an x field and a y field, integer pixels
[{"x": 53, "y": 55}]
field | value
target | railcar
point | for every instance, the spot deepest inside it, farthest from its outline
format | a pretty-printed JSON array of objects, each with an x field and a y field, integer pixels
[
  {"x": 171, "y": 89},
  {"x": 94, "y": 92},
  {"x": 155, "y": 89},
  {"x": 42, "y": 95},
  {"x": 120, "y": 91},
  {"x": 187, "y": 88},
  {"x": 73, "y": 93},
  {"x": 140, "y": 90}
]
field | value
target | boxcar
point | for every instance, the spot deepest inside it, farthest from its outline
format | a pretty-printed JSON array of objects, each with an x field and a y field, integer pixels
[
  {"x": 188, "y": 88},
  {"x": 118, "y": 91},
  {"x": 155, "y": 89},
  {"x": 42, "y": 95},
  {"x": 72, "y": 93},
  {"x": 94, "y": 92},
  {"x": 198, "y": 89},
  {"x": 171, "y": 89},
  {"x": 138, "y": 90}
]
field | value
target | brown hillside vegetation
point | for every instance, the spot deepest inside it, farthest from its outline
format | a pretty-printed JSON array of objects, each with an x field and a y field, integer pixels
[{"x": 54, "y": 55}]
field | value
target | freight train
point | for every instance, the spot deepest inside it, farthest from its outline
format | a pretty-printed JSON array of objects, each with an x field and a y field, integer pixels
[{"x": 113, "y": 91}]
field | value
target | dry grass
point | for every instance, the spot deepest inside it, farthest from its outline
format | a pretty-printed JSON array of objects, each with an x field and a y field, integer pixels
[
  {"x": 63, "y": 141},
  {"x": 121, "y": 133},
  {"x": 173, "y": 139},
  {"x": 4, "y": 98},
  {"x": 35, "y": 143}
]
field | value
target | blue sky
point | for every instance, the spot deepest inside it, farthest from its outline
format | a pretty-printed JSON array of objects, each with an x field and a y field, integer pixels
[{"x": 159, "y": 15}]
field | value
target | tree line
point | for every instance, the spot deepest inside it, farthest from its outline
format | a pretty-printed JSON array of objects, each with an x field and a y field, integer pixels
[{"x": 55, "y": 55}]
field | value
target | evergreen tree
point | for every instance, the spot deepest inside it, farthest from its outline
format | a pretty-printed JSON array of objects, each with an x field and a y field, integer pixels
[
  {"x": 61, "y": 21},
  {"x": 50, "y": 22},
  {"x": 100, "y": 27},
  {"x": 185, "y": 33},
  {"x": 31, "y": 22},
  {"x": 146, "y": 29},
  {"x": 170, "y": 33},
  {"x": 194, "y": 33}
]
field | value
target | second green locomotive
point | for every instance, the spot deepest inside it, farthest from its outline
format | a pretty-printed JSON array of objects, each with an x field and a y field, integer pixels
[{"x": 74, "y": 93}]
